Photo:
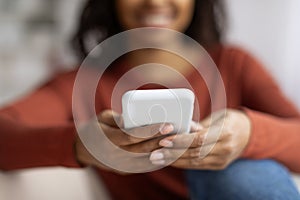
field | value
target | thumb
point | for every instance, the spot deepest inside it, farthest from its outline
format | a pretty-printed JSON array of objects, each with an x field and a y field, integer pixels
[
  {"x": 213, "y": 118},
  {"x": 196, "y": 126},
  {"x": 111, "y": 118}
]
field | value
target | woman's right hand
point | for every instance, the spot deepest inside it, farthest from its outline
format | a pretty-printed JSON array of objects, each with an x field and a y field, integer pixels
[{"x": 143, "y": 139}]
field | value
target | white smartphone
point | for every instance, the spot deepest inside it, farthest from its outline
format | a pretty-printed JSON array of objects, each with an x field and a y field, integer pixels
[{"x": 145, "y": 107}]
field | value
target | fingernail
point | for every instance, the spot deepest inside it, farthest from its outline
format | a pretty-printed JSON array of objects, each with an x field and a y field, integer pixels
[
  {"x": 166, "y": 129},
  {"x": 156, "y": 155},
  {"x": 166, "y": 143},
  {"x": 158, "y": 162}
]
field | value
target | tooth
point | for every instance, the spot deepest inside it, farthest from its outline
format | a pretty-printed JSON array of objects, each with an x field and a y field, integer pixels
[{"x": 156, "y": 20}]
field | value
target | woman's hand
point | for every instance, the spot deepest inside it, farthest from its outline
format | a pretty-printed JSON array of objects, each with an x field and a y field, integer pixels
[
  {"x": 226, "y": 140},
  {"x": 143, "y": 139}
]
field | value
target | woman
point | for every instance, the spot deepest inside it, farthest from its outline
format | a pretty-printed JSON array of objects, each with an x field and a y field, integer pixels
[{"x": 39, "y": 130}]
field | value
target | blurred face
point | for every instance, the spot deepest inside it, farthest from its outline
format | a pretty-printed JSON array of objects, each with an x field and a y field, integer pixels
[{"x": 172, "y": 14}]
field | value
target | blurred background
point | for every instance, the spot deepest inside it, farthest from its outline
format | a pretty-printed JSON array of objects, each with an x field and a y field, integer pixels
[{"x": 35, "y": 43}]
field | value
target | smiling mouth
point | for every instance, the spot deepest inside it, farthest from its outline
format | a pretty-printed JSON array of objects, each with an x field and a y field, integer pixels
[{"x": 156, "y": 20}]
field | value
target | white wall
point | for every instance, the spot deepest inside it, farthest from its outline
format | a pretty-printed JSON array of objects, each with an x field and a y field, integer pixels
[
  {"x": 270, "y": 30},
  {"x": 30, "y": 49},
  {"x": 292, "y": 55}
]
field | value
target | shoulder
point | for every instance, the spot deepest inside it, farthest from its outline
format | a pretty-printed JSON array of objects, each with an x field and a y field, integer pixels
[
  {"x": 64, "y": 76},
  {"x": 62, "y": 80},
  {"x": 232, "y": 57},
  {"x": 230, "y": 53}
]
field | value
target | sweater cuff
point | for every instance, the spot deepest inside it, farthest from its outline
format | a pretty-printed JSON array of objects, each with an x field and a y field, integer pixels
[
  {"x": 67, "y": 149},
  {"x": 257, "y": 135}
]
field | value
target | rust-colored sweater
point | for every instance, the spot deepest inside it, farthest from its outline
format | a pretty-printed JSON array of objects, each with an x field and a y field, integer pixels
[{"x": 39, "y": 131}]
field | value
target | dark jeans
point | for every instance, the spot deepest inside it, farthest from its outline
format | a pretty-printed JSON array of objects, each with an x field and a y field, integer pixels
[{"x": 243, "y": 179}]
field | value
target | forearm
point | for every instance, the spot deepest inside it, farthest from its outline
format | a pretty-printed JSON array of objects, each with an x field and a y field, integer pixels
[{"x": 24, "y": 146}]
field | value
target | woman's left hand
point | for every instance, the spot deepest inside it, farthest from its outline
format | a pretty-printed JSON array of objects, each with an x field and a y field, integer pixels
[{"x": 228, "y": 136}]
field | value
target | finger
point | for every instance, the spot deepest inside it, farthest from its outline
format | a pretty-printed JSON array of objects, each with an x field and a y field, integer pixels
[
  {"x": 184, "y": 140},
  {"x": 135, "y": 135},
  {"x": 111, "y": 118},
  {"x": 115, "y": 135},
  {"x": 214, "y": 118},
  {"x": 209, "y": 162},
  {"x": 199, "y": 152},
  {"x": 169, "y": 154},
  {"x": 193, "y": 140},
  {"x": 150, "y": 131},
  {"x": 223, "y": 148},
  {"x": 196, "y": 126},
  {"x": 145, "y": 146}
]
